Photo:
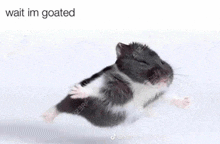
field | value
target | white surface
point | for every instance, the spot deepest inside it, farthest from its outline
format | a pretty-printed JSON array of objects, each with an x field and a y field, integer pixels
[{"x": 37, "y": 67}]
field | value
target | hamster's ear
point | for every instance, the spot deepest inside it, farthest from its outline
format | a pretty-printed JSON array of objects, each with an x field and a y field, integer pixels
[{"x": 120, "y": 48}]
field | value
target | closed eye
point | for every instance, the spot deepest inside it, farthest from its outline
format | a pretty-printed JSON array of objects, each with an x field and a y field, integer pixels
[{"x": 143, "y": 62}]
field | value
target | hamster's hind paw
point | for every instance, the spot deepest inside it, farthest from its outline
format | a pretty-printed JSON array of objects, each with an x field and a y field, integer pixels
[
  {"x": 50, "y": 114},
  {"x": 181, "y": 103},
  {"x": 78, "y": 91}
]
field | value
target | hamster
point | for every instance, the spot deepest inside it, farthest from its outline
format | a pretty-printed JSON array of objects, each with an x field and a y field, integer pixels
[{"x": 120, "y": 93}]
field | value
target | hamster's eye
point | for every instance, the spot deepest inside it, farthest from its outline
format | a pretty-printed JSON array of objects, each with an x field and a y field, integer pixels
[{"x": 144, "y": 62}]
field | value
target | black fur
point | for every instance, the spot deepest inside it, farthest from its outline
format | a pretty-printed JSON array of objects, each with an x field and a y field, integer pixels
[
  {"x": 94, "y": 110},
  {"x": 98, "y": 113}
]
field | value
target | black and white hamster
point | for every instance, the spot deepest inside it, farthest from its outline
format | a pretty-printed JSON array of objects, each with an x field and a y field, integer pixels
[{"x": 119, "y": 93}]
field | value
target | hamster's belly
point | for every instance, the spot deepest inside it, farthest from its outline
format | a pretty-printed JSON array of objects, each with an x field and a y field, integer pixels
[
  {"x": 107, "y": 114},
  {"x": 136, "y": 108}
]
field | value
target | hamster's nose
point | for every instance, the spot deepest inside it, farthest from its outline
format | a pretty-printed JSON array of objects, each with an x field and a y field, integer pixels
[
  {"x": 167, "y": 69},
  {"x": 162, "y": 62}
]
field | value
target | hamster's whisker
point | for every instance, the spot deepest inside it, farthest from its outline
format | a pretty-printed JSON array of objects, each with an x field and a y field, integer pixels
[
  {"x": 181, "y": 75},
  {"x": 177, "y": 68},
  {"x": 179, "y": 79}
]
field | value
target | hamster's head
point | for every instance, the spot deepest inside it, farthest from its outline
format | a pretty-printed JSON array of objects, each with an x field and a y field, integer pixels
[{"x": 142, "y": 64}]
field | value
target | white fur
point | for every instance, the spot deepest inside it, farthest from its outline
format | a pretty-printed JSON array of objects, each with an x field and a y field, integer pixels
[{"x": 91, "y": 89}]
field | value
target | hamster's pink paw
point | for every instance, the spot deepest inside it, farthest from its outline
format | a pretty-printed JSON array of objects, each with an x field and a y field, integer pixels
[
  {"x": 78, "y": 91},
  {"x": 181, "y": 103},
  {"x": 50, "y": 114}
]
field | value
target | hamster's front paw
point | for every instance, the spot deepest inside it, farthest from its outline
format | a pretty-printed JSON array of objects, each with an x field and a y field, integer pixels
[
  {"x": 181, "y": 103},
  {"x": 78, "y": 91},
  {"x": 50, "y": 114}
]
